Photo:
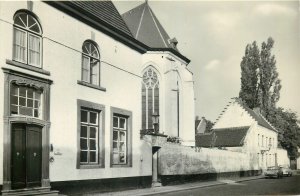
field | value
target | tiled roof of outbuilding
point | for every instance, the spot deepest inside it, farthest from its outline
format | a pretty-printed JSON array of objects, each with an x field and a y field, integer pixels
[
  {"x": 104, "y": 11},
  {"x": 225, "y": 137}
]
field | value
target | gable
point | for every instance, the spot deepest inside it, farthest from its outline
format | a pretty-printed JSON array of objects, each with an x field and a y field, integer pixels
[{"x": 233, "y": 116}]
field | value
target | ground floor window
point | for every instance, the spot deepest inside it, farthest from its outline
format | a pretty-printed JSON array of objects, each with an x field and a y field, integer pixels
[
  {"x": 121, "y": 134},
  {"x": 90, "y": 135},
  {"x": 119, "y": 139}
]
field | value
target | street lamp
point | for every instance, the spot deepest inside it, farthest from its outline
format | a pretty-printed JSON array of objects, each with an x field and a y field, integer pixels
[{"x": 155, "y": 121}]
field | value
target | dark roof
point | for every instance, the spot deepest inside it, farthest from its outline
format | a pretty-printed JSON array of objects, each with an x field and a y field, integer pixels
[
  {"x": 103, "y": 16},
  {"x": 257, "y": 117},
  {"x": 146, "y": 28},
  {"x": 104, "y": 11},
  {"x": 225, "y": 137}
]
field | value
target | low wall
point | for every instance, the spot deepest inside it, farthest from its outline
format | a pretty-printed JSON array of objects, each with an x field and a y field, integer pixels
[
  {"x": 282, "y": 157},
  {"x": 181, "y": 160}
]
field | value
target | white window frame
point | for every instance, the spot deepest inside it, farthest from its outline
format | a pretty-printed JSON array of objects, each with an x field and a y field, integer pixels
[
  {"x": 88, "y": 125},
  {"x": 27, "y": 33},
  {"x": 124, "y": 130},
  {"x": 40, "y": 102}
]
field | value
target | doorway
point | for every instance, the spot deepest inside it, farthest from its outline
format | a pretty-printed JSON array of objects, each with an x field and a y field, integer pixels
[{"x": 26, "y": 156}]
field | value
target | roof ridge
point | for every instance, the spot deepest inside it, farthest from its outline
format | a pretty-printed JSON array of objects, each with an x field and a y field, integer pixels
[
  {"x": 239, "y": 127},
  {"x": 155, "y": 20}
]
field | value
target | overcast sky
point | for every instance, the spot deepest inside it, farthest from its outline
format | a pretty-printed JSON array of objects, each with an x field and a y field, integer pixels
[{"x": 214, "y": 34}]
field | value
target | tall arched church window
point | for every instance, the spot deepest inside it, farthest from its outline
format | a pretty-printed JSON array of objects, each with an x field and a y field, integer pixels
[
  {"x": 90, "y": 63},
  {"x": 27, "y": 39},
  {"x": 150, "y": 97}
]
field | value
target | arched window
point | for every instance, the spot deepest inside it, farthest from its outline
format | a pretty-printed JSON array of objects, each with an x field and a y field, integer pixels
[
  {"x": 90, "y": 63},
  {"x": 27, "y": 42},
  {"x": 150, "y": 97}
]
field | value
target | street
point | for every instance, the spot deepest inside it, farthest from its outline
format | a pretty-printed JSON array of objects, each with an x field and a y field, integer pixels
[{"x": 285, "y": 186}]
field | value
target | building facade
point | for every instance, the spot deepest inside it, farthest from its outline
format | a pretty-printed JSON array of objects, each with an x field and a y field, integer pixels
[
  {"x": 241, "y": 129},
  {"x": 77, "y": 89}
]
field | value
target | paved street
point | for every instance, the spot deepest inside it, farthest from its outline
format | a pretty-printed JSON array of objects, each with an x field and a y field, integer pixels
[{"x": 285, "y": 186}]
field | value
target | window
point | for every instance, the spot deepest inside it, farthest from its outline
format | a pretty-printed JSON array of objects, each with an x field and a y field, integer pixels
[
  {"x": 262, "y": 140},
  {"x": 258, "y": 140},
  {"x": 90, "y": 135},
  {"x": 270, "y": 141},
  {"x": 121, "y": 138},
  {"x": 27, "y": 40},
  {"x": 90, "y": 63},
  {"x": 25, "y": 101},
  {"x": 150, "y": 97}
]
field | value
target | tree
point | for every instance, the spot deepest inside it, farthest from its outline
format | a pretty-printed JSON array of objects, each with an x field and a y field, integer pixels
[
  {"x": 286, "y": 123},
  {"x": 260, "y": 85},
  {"x": 249, "y": 78}
]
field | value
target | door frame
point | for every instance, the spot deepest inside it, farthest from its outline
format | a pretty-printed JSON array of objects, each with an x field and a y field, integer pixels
[{"x": 19, "y": 78}]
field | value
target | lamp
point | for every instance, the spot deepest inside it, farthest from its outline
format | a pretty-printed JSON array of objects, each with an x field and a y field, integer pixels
[{"x": 155, "y": 121}]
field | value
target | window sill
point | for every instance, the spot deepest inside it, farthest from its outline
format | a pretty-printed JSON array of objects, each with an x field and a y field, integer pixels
[
  {"x": 120, "y": 166},
  {"x": 28, "y": 67},
  {"x": 91, "y": 85},
  {"x": 90, "y": 166}
]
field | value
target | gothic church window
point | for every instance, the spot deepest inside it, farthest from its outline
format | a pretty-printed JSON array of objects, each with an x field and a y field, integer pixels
[{"x": 150, "y": 97}]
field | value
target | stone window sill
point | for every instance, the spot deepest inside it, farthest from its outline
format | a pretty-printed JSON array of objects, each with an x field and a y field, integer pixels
[
  {"x": 28, "y": 67},
  {"x": 120, "y": 165},
  {"x": 90, "y": 166},
  {"x": 91, "y": 85}
]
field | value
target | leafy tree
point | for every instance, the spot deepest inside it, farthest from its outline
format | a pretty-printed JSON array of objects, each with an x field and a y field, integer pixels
[
  {"x": 249, "y": 78},
  {"x": 286, "y": 123},
  {"x": 260, "y": 85}
]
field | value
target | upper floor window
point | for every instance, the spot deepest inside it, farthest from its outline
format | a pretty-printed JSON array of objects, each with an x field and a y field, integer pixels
[
  {"x": 90, "y": 63},
  {"x": 25, "y": 101},
  {"x": 150, "y": 97},
  {"x": 27, "y": 39},
  {"x": 258, "y": 140}
]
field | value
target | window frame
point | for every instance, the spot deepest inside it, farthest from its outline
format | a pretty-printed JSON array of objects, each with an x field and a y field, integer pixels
[
  {"x": 100, "y": 143},
  {"x": 33, "y": 99},
  {"x": 90, "y": 57},
  {"x": 28, "y": 32},
  {"x": 125, "y": 114}
]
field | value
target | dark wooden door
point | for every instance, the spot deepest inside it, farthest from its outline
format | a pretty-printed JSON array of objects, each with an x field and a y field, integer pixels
[
  {"x": 26, "y": 156},
  {"x": 18, "y": 155},
  {"x": 33, "y": 156}
]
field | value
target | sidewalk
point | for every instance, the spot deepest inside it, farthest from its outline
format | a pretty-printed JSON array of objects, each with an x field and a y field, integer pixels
[{"x": 175, "y": 188}]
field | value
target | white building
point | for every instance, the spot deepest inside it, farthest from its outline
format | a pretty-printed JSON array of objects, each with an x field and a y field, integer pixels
[
  {"x": 239, "y": 128},
  {"x": 78, "y": 84}
]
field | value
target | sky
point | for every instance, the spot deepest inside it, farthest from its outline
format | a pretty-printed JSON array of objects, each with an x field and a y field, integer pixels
[{"x": 214, "y": 34}]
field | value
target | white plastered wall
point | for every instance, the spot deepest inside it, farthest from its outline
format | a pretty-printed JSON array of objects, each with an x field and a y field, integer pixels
[
  {"x": 62, "y": 42},
  {"x": 234, "y": 116},
  {"x": 171, "y": 69}
]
